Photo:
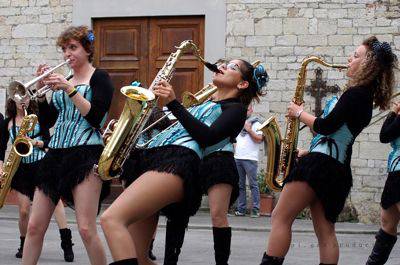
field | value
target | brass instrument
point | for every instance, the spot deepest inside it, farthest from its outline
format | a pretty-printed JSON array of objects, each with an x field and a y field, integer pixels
[
  {"x": 285, "y": 150},
  {"x": 21, "y": 147},
  {"x": 189, "y": 100},
  {"x": 19, "y": 91},
  {"x": 378, "y": 116},
  {"x": 122, "y": 136}
]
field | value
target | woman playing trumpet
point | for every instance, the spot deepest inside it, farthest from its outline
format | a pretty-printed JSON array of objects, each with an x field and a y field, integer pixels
[
  {"x": 327, "y": 164},
  {"x": 77, "y": 109},
  {"x": 24, "y": 180}
]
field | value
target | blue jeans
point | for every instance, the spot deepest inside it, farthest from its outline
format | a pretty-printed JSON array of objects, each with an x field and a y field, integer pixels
[{"x": 249, "y": 168}]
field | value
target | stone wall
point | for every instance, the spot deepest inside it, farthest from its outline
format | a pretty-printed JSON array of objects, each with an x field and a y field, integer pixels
[
  {"x": 283, "y": 33},
  {"x": 28, "y": 31}
]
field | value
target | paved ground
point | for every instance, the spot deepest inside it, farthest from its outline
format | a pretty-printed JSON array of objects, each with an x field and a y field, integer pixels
[{"x": 248, "y": 242}]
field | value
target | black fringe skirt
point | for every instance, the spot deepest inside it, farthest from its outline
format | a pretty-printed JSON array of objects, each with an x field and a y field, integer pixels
[
  {"x": 26, "y": 177},
  {"x": 61, "y": 170},
  {"x": 391, "y": 191},
  {"x": 177, "y": 160},
  {"x": 330, "y": 180},
  {"x": 217, "y": 168}
]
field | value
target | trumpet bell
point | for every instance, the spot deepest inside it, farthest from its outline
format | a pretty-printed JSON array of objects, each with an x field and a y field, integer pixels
[{"x": 17, "y": 91}]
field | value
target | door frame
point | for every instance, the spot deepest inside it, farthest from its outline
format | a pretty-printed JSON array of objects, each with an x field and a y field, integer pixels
[{"x": 213, "y": 10}]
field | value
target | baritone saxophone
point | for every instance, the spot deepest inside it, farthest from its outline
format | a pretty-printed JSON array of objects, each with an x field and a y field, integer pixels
[{"x": 122, "y": 135}]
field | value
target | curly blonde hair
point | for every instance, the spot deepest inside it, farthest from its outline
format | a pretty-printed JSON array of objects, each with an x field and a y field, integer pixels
[
  {"x": 78, "y": 33},
  {"x": 377, "y": 72}
]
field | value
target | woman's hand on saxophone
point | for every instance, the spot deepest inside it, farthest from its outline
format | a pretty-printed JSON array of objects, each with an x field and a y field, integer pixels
[
  {"x": 294, "y": 111},
  {"x": 164, "y": 90},
  {"x": 301, "y": 152}
]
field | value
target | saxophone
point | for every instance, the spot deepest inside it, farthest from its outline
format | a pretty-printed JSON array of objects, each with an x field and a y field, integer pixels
[
  {"x": 21, "y": 147},
  {"x": 120, "y": 137},
  {"x": 284, "y": 150}
]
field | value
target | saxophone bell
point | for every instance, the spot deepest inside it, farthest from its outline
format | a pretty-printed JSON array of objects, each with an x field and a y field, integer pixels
[{"x": 23, "y": 147}]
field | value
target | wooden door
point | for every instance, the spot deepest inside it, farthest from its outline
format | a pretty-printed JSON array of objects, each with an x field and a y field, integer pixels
[
  {"x": 136, "y": 48},
  {"x": 132, "y": 49},
  {"x": 122, "y": 50},
  {"x": 167, "y": 33}
]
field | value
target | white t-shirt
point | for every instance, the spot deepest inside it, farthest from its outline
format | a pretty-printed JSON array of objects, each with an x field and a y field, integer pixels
[{"x": 245, "y": 147}]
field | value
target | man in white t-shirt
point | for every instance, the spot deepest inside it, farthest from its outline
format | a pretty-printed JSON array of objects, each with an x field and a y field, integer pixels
[{"x": 246, "y": 157}]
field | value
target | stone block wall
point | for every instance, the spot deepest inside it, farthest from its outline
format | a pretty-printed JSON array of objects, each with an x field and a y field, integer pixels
[
  {"x": 282, "y": 33},
  {"x": 28, "y": 32}
]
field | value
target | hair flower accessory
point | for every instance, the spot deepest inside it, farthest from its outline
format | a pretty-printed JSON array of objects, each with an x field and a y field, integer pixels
[
  {"x": 90, "y": 36},
  {"x": 260, "y": 76}
]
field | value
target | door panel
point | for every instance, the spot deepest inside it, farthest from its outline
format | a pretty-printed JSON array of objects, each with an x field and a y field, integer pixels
[{"x": 132, "y": 49}]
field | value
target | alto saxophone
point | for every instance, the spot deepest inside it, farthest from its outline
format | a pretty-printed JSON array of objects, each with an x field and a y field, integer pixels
[
  {"x": 21, "y": 147},
  {"x": 120, "y": 137},
  {"x": 284, "y": 150}
]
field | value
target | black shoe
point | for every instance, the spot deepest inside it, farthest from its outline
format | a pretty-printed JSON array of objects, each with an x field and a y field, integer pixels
[
  {"x": 125, "y": 262},
  {"x": 383, "y": 246},
  {"x": 151, "y": 254},
  {"x": 18, "y": 255},
  {"x": 269, "y": 260},
  {"x": 66, "y": 244}
]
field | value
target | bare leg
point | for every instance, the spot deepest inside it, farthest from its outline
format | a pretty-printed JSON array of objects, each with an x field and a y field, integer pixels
[
  {"x": 325, "y": 231},
  {"x": 142, "y": 199},
  {"x": 142, "y": 232},
  {"x": 24, "y": 205},
  {"x": 86, "y": 200},
  {"x": 386, "y": 237},
  {"x": 218, "y": 198},
  {"x": 294, "y": 198},
  {"x": 42, "y": 209},
  {"x": 59, "y": 214},
  {"x": 390, "y": 219}
]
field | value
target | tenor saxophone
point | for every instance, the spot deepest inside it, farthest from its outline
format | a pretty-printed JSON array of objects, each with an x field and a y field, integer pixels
[
  {"x": 120, "y": 137},
  {"x": 284, "y": 150},
  {"x": 21, "y": 147}
]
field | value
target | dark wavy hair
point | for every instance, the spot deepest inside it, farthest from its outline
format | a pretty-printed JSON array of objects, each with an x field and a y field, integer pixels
[
  {"x": 377, "y": 71},
  {"x": 257, "y": 78},
  {"x": 11, "y": 108},
  {"x": 80, "y": 33}
]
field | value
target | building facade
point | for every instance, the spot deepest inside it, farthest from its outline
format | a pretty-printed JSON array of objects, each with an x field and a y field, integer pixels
[{"x": 277, "y": 32}]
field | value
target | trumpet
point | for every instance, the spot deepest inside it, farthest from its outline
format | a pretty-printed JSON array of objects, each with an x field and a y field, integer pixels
[{"x": 19, "y": 91}]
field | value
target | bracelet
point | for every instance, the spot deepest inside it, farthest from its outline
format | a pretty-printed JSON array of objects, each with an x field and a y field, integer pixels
[
  {"x": 298, "y": 113},
  {"x": 72, "y": 93}
]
